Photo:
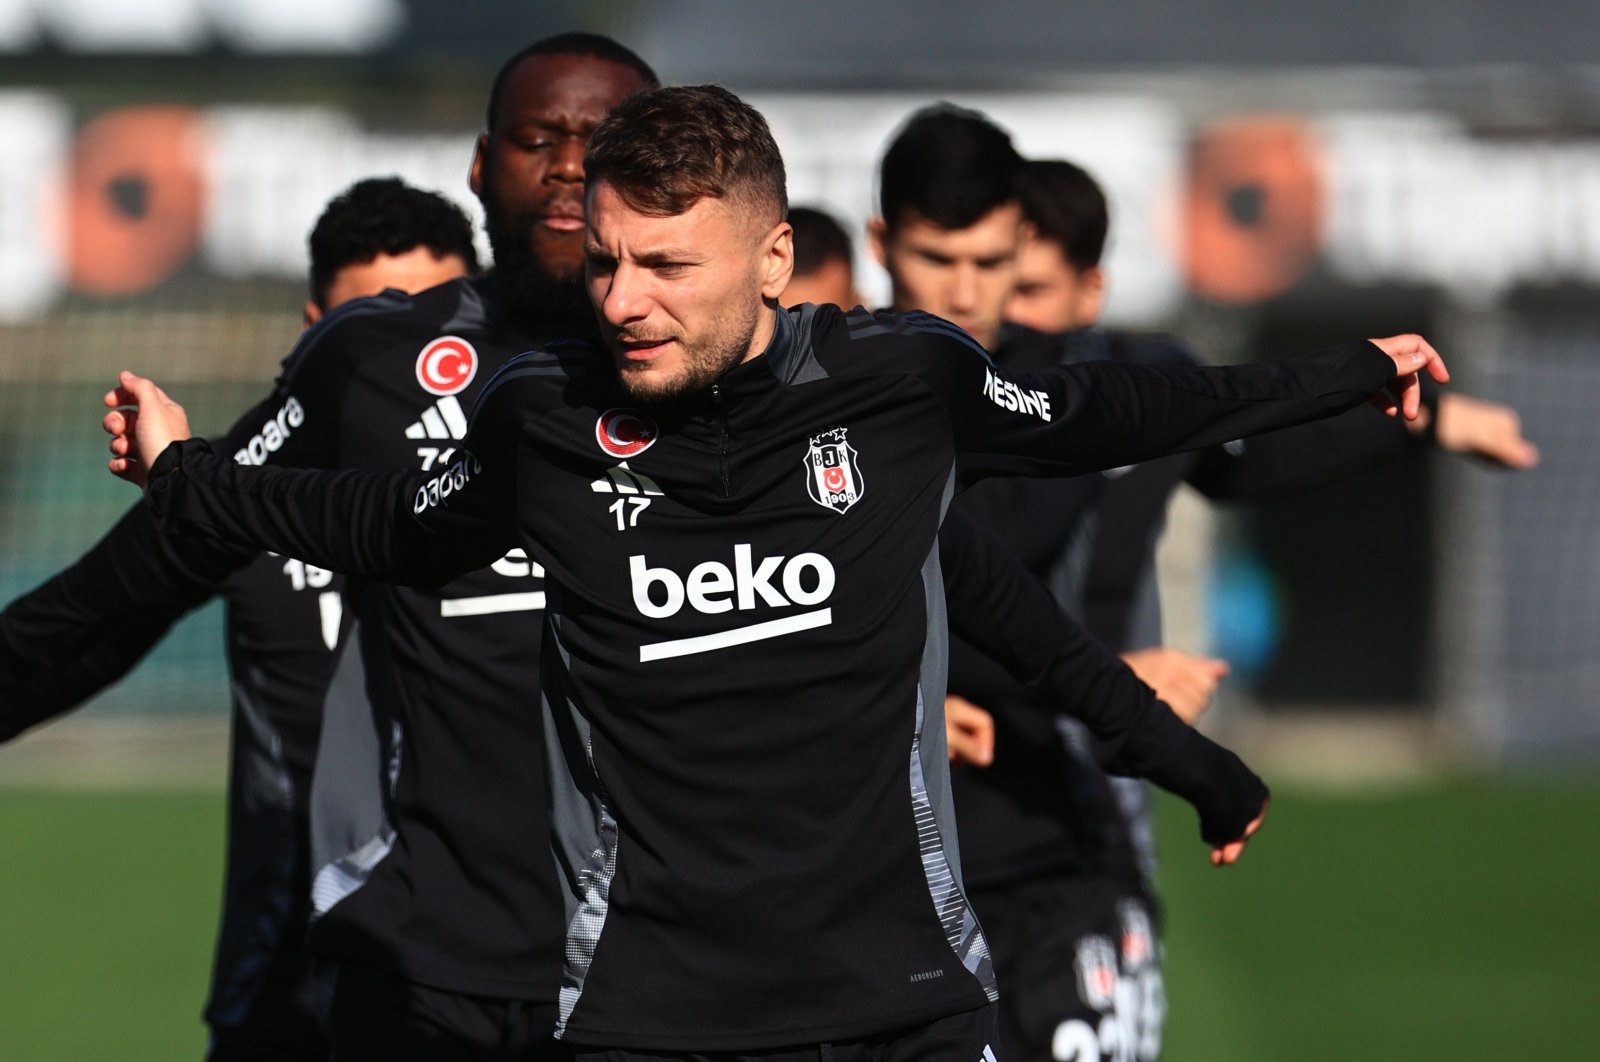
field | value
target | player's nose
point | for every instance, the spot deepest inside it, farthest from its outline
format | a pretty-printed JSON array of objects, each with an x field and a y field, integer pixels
[
  {"x": 566, "y": 163},
  {"x": 963, "y": 290},
  {"x": 625, "y": 297}
]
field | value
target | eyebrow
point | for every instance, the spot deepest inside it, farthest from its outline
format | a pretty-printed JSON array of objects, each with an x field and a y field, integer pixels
[
  {"x": 665, "y": 255},
  {"x": 661, "y": 256},
  {"x": 565, "y": 125}
]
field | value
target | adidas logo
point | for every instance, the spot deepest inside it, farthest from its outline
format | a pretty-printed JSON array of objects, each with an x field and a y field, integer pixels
[
  {"x": 624, "y": 480},
  {"x": 442, "y": 420}
]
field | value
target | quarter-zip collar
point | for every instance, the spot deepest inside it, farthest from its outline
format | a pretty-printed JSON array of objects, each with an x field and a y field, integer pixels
[{"x": 733, "y": 401}]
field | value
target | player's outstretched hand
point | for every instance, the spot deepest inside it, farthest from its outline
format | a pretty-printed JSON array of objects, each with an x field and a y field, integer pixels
[
  {"x": 1183, "y": 680},
  {"x": 1484, "y": 429},
  {"x": 143, "y": 422},
  {"x": 1412, "y": 355},
  {"x": 968, "y": 732},
  {"x": 1225, "y": 855}
]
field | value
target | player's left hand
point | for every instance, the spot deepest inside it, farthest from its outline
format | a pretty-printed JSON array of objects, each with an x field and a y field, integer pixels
[
  {"x": 1412, "y": 355},
  {"x": 143, "y": 421},
  {"x": 968, "y": 732},
  {"x": 1225, "y": 855}
]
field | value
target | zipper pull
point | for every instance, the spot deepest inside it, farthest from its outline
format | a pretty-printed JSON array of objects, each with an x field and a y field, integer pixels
[{"x": 722, "y": 460}]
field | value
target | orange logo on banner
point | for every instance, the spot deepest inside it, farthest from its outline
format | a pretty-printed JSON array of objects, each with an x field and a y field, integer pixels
[
  {"x": 136, "y": 198},
  {"x": 1253, "y": 209}
]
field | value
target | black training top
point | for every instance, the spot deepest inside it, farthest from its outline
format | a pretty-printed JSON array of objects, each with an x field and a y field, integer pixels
[
  {"x": 1092, "y": 541},
  {"x": 384, "y": 382},
  {"x": 745, "y": 659},
  {"x": 86, "y": 627},
  {"x": 403, "y": 881}
]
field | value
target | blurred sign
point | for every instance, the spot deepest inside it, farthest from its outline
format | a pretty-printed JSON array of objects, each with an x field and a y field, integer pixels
[
  {"x": 1237, "y": 211},
  {"x": 301, "y": 26},
  {"x": 139, "y": 193}
]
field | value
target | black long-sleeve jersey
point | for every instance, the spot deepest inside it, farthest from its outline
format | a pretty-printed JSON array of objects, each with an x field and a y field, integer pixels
[
  {"x": 86, "y": 627},
  {"x": 380, "y": 383},
  {"x": 433, "y": 892},
  {"x": 744, "y": 672},
  {"x": 1092, "y": 540}
]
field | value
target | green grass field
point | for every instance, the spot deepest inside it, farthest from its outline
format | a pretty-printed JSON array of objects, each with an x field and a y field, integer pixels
[{"x": 1449, "y": 921}]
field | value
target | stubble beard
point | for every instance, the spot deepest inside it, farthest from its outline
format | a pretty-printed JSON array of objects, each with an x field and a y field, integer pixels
[{"x": 703, "y": 362}]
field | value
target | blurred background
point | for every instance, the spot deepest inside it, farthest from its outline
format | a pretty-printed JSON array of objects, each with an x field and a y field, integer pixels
[{"x": 1416, "y": 652}]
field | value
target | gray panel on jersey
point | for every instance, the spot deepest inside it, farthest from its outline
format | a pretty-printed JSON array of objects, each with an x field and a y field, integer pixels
[
  {"x": 582, "y": 829},
  {"x": 349, "y": 832},
  {"x": 931, "y": 799}
]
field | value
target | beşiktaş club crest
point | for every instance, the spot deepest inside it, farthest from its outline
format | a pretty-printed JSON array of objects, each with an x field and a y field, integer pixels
[
  {"x": 446, "y": 366},
  {"x": 625, "y": 432},
  {"x": 1096, "y": 965},
  {"x": 833, "y": 478}
]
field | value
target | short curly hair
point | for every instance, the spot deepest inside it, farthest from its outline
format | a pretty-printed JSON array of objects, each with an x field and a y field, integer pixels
[
  {"x": 665, "y": 149},
  {"x": 384, "y": 215},
  {"x": 589, "y": 45}
]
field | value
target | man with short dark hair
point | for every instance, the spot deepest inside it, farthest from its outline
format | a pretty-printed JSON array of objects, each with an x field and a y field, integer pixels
[
  {"x": 1061, "y": 285},
  {"x": 949, "y": 221},
  {"x": 745, "y": 671},
  {"x": 824, "y": 261},
  {"x": 283, "y": 620},
  {"x": 382, "y": 233},
  {"x": 1052, "y": 866}
]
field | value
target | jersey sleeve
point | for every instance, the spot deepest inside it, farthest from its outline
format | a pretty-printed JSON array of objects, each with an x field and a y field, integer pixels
[
  {"x": 1281, "y": 462},
  {"x": 86, "y": 627},
  {"x": 1093, "y": 415},
  {"x": 1000, "y": 609},
  {"x": 413, "y": 527},
  {"x": 36, "y": 693}
]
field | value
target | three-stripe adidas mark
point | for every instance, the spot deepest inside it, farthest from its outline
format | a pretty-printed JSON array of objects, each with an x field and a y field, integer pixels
[
  {"x": 624, "y": 480},
  {"x": 442, "y": 420}
]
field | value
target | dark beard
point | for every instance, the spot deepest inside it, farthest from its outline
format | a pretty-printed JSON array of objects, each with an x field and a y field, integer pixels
[
  {"x": 703, "y": 364},
  {"x": 543, "y": 303}
]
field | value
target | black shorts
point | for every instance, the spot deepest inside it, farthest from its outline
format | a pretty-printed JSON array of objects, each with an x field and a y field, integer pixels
[
  {"x": 968, "y": 1037},
  {"x": 1078, "y": 962},
  {"x": 377, "y": 1016}
]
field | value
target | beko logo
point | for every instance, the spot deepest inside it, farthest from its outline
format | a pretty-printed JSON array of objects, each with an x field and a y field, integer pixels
[
  {"x": 273, "y": 434},
  {"x": 712, "y": 588}
]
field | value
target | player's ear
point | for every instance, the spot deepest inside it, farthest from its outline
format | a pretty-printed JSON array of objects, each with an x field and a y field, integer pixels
[
  {"x": 480, "y": 159},
  {"x": 777, "y": 260},
  {"x": 878, "y": 240},
  {"x": 1091, "y": 296},
  {"x": 311, "y": 313}
]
